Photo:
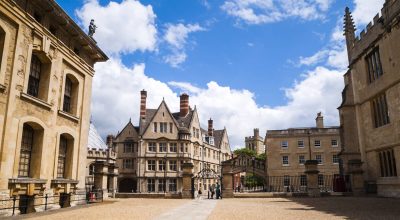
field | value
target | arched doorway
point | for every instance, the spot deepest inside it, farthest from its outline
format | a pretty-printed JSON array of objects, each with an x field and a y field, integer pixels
[{"x": 127, "y": 185}]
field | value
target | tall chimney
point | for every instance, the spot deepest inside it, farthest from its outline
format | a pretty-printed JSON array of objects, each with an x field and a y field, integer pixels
[
  {"x": 143, "y": 97},
  {"x": 184, "y": 110},
  {"x": 256, "y": 133},
  {"x": 110, "y": 139},
  {"x": 210, "y": 128},
  {"x": 320, "y": 120}
]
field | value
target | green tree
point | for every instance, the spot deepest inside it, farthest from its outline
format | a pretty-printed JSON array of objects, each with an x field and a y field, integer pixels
[{"x": 245, "y": 151}]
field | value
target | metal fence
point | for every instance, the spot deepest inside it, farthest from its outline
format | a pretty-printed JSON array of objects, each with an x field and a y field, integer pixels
[
  {"x": 297, "y": 183},
  {"x": 24, "y": 203}
]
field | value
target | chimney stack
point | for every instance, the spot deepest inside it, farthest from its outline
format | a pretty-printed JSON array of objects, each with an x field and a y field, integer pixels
[
  {"x": 210, "y": 128},
  {"x": 320, "y": 120},
  {"x": 110, "y": 139},
  {"x": 256, "y": 133},
  {"x": 143, "y": 97},
  {"x": 184, "y": 110}
]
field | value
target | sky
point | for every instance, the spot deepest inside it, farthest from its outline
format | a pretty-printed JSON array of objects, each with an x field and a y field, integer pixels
[{"x": 267, "y": 64}]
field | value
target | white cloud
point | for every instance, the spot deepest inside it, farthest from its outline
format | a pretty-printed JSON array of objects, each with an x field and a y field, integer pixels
[
  {"x": 116, "y": 94},
  {"x": 113, "y": 104},
  {"x": 176, "y": 36},
  {"x": 314, "y": 59},
  {"x": 122, "y": 27},
  {"x": 268, "y": 11},
  {"x": 365, "y": 11}
]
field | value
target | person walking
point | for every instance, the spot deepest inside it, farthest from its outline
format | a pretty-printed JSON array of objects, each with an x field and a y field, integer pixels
[{"x": 218, "y": 191}]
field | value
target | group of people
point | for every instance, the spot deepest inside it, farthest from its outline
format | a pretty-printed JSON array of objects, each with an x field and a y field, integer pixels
[{"x": 214, "y": 189}]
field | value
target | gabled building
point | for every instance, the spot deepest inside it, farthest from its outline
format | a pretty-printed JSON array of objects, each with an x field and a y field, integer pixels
[
  {"x": 370, "y": 113},
  {"x": 150, "y": 156}
]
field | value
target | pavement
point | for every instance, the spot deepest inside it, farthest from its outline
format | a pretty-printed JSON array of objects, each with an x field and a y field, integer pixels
[
  {"x": 231, "y": 209},
  {"x": 197, "y": 209}
]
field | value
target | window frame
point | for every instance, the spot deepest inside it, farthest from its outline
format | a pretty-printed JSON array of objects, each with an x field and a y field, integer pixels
[
  {"x": 283, "y": 160},
  {"x": 151, "y": 165},
  {"x": 284, "y": 146},
  {"x": 62, "y": 157},
  {"x": 25, "y": 156}
]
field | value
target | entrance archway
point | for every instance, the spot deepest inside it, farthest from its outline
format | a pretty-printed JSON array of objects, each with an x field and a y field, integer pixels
[
  {"x": 204, "y": 179},
  {"x": 127, "y": 185}
]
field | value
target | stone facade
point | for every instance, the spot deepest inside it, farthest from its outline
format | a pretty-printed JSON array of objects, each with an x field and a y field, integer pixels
[
  {"x": 101, "y": 169},
  {"x": 289, "y": 149},
  {"x": 370, "y": 114},
  {"x": 46, "y": 72},
  {"x": 155, "y": 151},
  {"x": 255, "y": 142}
]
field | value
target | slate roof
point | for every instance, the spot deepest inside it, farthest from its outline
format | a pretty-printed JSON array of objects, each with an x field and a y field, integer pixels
[
  {"x": 95, "y": 140},
  {"x": 183, "y": 121},
  {"x": 143, "y": 124},
  {"x": 218, "y": 134}
]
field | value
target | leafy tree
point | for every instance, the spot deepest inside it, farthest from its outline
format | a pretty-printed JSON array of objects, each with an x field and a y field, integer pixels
[{"x": 245, "y": 151}]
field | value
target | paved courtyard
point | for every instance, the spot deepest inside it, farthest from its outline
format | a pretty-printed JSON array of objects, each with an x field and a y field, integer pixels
[{"x": 260, "y": 208}]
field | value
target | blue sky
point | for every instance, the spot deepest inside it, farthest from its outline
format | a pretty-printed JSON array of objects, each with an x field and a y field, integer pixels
[{"x": 272, "y": 59}]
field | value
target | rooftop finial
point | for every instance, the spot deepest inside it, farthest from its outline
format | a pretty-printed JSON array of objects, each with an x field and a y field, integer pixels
[{"x": 349, "y": 30}]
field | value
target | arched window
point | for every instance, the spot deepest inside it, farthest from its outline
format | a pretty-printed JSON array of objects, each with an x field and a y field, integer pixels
[
  {"x": 34, "y": 76},
  {"x": 67, "y": 95},
  {"x": 70, "y": 99},
  {"x": 62, "y": 155},
  {"x": 26, "y": 151},
  {"x": 91, "y": 169},
  {"x": 65, "y": 156}
]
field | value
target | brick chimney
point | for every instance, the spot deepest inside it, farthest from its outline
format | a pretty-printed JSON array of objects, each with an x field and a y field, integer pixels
[
  {"x": 319, "y": 120},
  {"x": 210, "y": 128},
  {"x": 184, "y": 110},
  {"x": 143, "y": 97}
]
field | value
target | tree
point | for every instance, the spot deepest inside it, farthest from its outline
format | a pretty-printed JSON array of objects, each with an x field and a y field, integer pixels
[{"x": 245, "y": 151}]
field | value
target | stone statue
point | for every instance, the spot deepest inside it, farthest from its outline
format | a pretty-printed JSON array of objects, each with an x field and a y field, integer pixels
[{"x": 92, "y": 28}]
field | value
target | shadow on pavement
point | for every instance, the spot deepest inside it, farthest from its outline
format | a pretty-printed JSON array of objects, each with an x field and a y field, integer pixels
[{"x": 352, "y": 207}]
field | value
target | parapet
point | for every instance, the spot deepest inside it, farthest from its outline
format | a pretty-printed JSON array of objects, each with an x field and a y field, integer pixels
[{"x": 375, "y": 29}]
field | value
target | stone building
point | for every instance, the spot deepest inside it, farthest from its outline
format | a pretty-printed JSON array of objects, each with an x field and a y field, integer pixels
[
  {"x": 369, "y": 113},
  {"x": 255, "y": 142},
  {"x": 289, "y": 149},
  {"x": 46, "y": 72},
  {"x": 101, "y": 172},
  {"x": 150, "y": 156}
]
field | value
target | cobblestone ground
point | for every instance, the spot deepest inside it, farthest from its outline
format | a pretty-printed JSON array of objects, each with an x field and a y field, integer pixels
[{"x": 262, "y": 208}]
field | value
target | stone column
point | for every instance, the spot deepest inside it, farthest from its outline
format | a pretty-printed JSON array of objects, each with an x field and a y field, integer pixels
[
  {"x": 356, "y": 176},
  {"x": 227, "y": 179},
  {"x": 187, "y": 180},
  {"x": 312, "y": 178}
]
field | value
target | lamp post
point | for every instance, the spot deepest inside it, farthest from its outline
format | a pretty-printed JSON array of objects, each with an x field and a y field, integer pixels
[{"x": 254, "y": 164}]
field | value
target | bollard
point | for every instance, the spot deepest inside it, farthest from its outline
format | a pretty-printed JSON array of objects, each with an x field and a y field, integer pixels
[
  {"x": 14, "y": 199},
  {"x": 45, "y": 202}
]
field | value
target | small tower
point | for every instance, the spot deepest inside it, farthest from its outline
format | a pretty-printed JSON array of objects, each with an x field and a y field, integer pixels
[{"x": 349, "y": 31}]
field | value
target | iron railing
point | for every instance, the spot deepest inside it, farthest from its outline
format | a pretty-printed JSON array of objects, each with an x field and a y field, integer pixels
[{"x": 21, "y": 203}]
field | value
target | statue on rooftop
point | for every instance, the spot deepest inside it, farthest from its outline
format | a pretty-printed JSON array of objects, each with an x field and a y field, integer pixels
[{"x": 92, "y": 28}]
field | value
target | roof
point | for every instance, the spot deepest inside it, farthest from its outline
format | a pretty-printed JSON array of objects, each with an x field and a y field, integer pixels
[
  {"x": 183, "y": 121},
  {"x": 145, "y": 123},
  {"x": 95, "y": 141},
  {"x": 218, "y": 135}
]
